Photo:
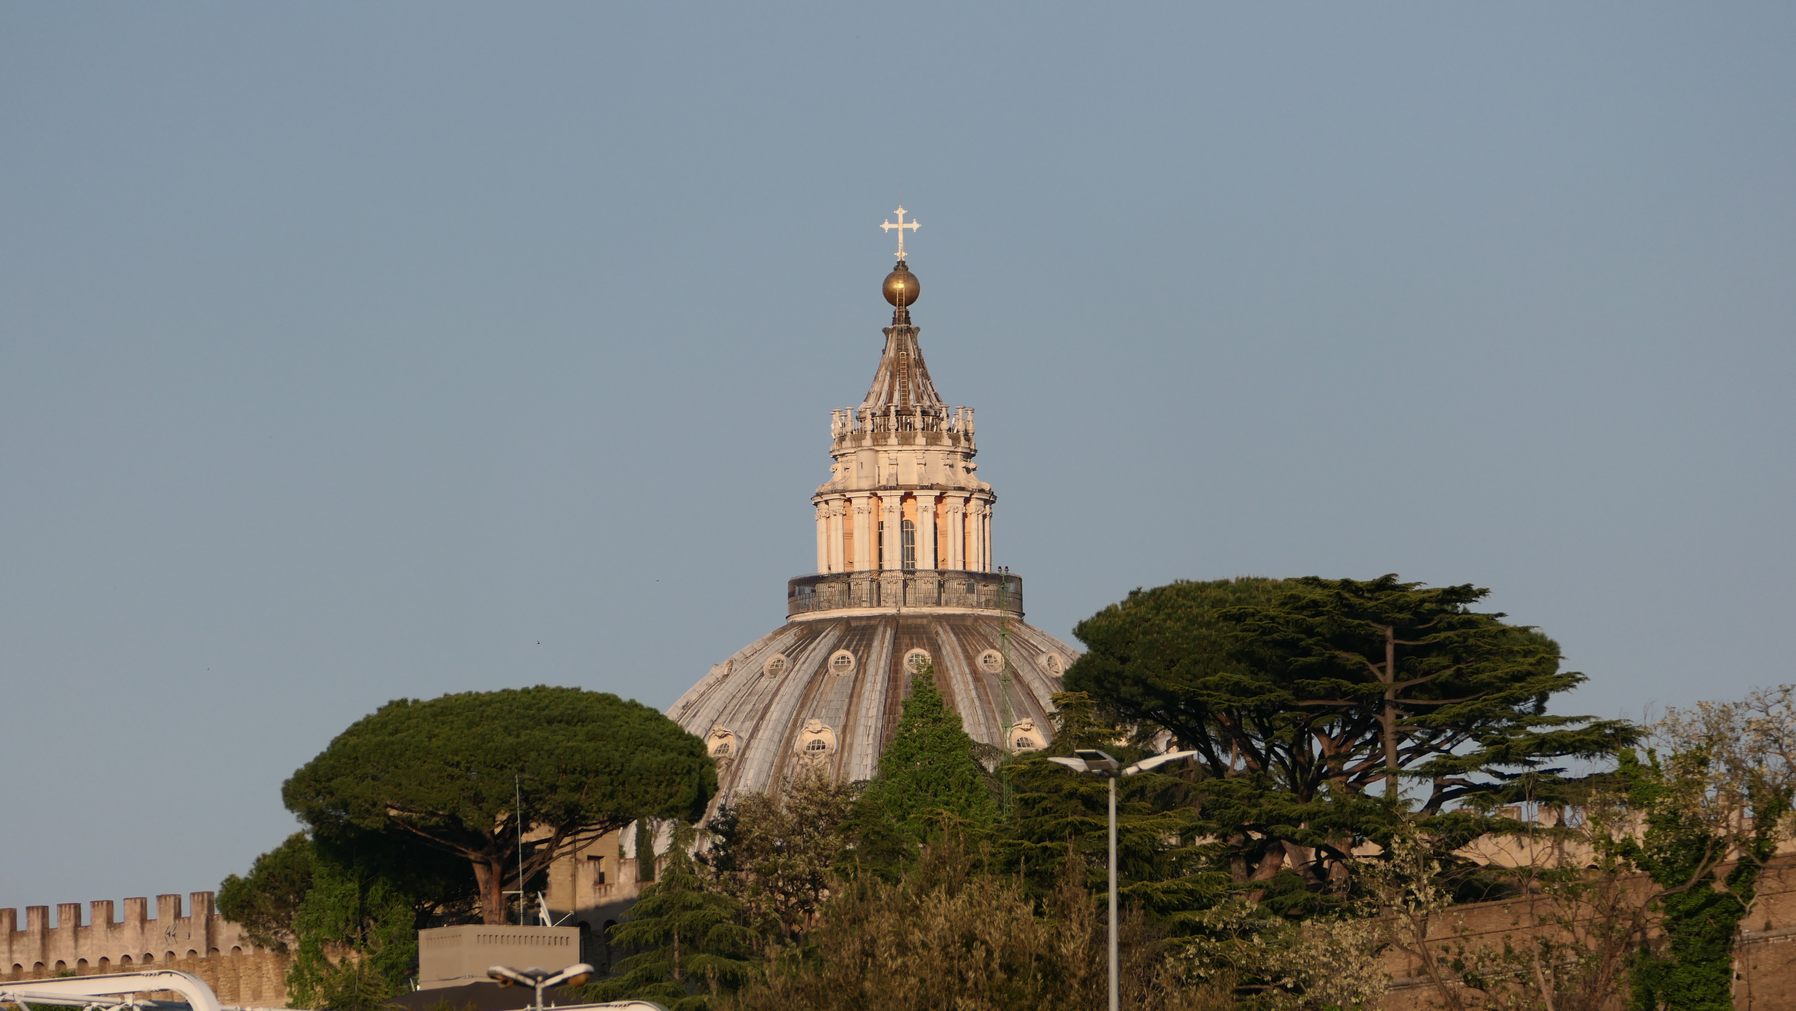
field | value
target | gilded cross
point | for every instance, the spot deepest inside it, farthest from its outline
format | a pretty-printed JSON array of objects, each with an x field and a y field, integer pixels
[{"x": 901, "y": 226}]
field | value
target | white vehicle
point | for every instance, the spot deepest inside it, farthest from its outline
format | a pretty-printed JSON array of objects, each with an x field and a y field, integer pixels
[{"x": 126, "y": 991}]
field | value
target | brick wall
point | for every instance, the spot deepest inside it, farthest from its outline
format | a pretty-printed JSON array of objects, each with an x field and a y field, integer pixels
[
  {"x": 200, "y": 942},
  {"x": 1765, "y": 962}
]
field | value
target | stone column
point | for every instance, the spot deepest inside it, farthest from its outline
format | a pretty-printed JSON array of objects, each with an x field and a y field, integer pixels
[
  {"x": 981, "y": 561},
  {"x": 863, "y": 533},
  {"x": 823, "y": 537},
  {"x": 975, "y": 560},
  {"x": 892, "y": 513},
  {"x": 952, "y": 548},
  {"x": 835, "y": 535},
  {"x": 985, "y": 534},
  {"x": 926, "y": 532}
]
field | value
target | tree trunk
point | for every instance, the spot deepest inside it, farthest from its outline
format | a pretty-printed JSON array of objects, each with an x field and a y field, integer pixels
[
  {"x": 1388, "y": 717},
  {"x": 489, "y": 879}
]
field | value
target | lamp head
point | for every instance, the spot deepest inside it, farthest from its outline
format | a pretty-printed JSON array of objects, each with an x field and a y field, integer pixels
[
  {"x": 1097, "y": 761},
  {"x": 573, "y": 975}
]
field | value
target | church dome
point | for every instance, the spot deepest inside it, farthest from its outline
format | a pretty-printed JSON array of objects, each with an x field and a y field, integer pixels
[
  {"x": 847, "y": 675},
  {"x": 904, "y": 586}
]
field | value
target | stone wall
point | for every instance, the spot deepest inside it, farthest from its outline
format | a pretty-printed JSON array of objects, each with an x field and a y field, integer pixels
[
  {"x": 201, "y": 942},
  {"x": 1765, "y": 961}
]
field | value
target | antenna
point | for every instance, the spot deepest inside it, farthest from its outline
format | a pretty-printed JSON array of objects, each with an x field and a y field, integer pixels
[
  {"x": 543, "y": 913},
  {"x": 517, "y": 783}
]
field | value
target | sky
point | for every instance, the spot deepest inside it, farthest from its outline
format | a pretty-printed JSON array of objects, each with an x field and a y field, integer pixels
[{"x": 351, "y": 352}]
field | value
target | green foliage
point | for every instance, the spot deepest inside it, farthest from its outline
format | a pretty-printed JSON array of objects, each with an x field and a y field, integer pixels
[
  {"x": 1273, "y": 964},
  {"x": 940, "y": 937},
  {"x": 266, "y": 901},
  {"x": 927, "y": 774},
  {"x": 777, "y": 854},
  {"x": 1714, "y": 796},
  {"x": 349, "y": 909},
  {"x": 1307, "y": 698},
  {"x": 446, "y": 771},
  {"x": 645, "y": 850},
  {"x": 356, "y": 936},
  {"x": 1078, "y": 724},
  {"x": 1703, "y": 897},
  {"x": 691, "y": 942},
  {"x": 349, "y": 985},
  {"x": 1057, "y": 822}
]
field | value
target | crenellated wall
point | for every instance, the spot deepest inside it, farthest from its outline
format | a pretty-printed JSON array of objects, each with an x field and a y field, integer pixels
[{"x": 201, "y": 942}]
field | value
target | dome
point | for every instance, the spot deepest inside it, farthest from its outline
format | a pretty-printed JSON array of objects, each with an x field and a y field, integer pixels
[
  {"x": 904, "y": 584},
  {"x": 829, "y": 689}
]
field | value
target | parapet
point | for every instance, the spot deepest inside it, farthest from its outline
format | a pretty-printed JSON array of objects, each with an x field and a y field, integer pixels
[
  {"x": 457, "y": 956},
  {"x": 909, "y": 589},
  {"x": 107, "y": 944}
]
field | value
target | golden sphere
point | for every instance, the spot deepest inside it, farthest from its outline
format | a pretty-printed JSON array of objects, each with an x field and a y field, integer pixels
[{"x": 901, "y": 287}]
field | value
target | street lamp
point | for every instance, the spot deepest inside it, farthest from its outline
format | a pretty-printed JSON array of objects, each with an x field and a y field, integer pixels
[
  {"x": 1097, "y": 763},
  {"x": 541, "y": 979}
]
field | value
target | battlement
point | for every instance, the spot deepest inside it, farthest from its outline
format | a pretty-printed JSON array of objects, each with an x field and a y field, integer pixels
[{"x": 106, "y": 942}]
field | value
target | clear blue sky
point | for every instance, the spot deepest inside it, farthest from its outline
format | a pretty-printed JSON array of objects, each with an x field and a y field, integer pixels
[{"x": 357, "y": 351}]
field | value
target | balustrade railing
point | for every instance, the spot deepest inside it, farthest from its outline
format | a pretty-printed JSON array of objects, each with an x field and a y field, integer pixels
[{"x": 832, "y": 591}]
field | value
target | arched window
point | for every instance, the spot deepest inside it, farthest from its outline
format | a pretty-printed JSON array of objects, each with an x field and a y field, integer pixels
[
  {"x": 917, "y": 661},
  {"x": 841, "y": 662},
  {"x": 775, "y": 665},
  {"x": 908, "y": 543},
  {"x": 817, "y": 746},
  {"x": 722, "y": 749}
]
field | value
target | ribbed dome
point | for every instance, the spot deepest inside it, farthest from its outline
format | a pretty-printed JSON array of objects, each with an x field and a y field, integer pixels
[{"x": 791, "y": 698}]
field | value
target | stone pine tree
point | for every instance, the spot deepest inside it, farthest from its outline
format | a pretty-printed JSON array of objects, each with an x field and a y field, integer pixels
[
  {"x": 927, "y": 773},
  {"x": 691, "y": 942},
  {"x": 448, "y": 774}
]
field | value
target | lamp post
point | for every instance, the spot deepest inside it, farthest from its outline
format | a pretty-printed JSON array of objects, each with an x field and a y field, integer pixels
[
  {"x": 1097, "y": 763},
  {"x": 540, "y": 979}
]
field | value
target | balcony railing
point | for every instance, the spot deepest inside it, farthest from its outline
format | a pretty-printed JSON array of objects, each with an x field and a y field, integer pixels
[{"x": 833, "y": 591}]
